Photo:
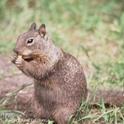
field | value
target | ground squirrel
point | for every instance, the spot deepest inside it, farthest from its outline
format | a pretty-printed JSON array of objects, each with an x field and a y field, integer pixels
[{"x": 59, "y": 80}]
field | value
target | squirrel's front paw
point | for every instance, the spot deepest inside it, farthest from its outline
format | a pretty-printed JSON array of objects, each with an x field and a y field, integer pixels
[
  {"x": 13, "y": 58},
  {"x": 19, "y": 61}
]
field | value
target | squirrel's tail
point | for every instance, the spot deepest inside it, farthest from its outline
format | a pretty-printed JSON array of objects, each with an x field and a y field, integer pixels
[{"x": 109, "y": 97}]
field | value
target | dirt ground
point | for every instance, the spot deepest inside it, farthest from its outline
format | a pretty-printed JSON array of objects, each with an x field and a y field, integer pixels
[{"x": 10, "y": 76}]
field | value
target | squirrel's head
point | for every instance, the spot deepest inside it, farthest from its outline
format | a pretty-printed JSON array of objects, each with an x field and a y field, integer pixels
[
  {"x": 36, "y": 48},
  {"x": 33, "y": 39}
]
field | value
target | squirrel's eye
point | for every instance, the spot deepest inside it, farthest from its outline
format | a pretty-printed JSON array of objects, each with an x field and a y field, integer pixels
[{"x": 30, "y": 41}]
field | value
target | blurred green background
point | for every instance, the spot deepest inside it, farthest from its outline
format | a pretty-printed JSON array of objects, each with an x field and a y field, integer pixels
[{"x": 91, "y": 30}]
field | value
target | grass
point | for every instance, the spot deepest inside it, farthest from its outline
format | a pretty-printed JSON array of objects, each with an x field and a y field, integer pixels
[{"x": 93, "y": 31}]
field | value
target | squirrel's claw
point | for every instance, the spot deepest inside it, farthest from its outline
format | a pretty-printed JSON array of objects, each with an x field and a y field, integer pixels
[{"x": 13, "y": 59}]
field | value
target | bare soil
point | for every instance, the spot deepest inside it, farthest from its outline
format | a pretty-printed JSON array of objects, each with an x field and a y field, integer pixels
[{"x": 10, "y": 77}]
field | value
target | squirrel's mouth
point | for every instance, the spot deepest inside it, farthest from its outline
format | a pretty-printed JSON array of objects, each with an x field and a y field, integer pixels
[
  {"x": 29, "y": 55},
  {"x": 27, "y": 58}
]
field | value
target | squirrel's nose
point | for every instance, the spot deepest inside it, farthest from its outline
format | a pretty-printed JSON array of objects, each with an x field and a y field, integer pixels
[{"x": 17, "y": 51}]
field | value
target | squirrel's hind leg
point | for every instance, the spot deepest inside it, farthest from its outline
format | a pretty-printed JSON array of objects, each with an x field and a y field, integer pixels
[
  {"x": 62, "y": 115},
  {"x": 38, "y": 110}
]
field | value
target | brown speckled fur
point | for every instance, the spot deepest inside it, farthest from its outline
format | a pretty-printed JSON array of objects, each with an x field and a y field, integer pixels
[{"x": 59, "y": 81}]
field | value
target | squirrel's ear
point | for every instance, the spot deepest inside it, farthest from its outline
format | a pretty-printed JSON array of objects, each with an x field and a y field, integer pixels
[
  {"x": 42, "y": 30},
  {"x": 33, "y": 26}
]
